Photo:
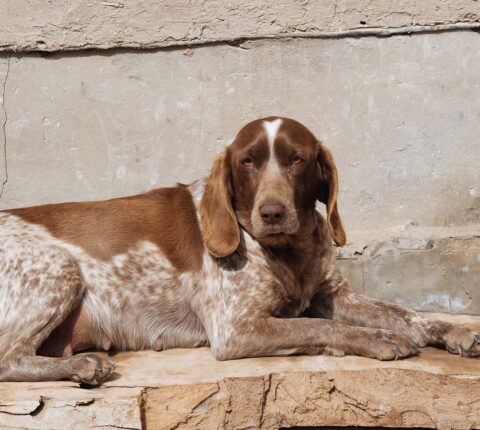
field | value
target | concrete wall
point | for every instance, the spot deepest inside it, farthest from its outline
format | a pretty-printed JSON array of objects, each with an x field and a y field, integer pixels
[
  {"x": 55, "y": 25},
  {"x": 401, "y": 115}
]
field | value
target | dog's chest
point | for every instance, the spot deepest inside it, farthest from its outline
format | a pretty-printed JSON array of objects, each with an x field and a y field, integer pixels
[
  {"x": 293, "y": 297},
  {"x": 268, "y": 284},
  {"x": 296, "y": 288},
  {"x": 291, "y": 307},
  {"x": 300, "y": 281}
]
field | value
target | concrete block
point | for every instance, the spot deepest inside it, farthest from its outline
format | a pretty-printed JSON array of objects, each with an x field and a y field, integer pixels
[
  {"x": 352, "y": 270},
  {"x": 423, "y": 274}
]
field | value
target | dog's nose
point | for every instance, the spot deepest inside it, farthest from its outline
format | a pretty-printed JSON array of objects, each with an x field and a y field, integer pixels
[{"x": 272, "y": 213}]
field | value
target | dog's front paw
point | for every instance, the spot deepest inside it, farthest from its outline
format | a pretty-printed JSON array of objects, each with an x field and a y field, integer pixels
[
  {"x": 462, "y": 341},
  {"x": 388, "y": 345}
]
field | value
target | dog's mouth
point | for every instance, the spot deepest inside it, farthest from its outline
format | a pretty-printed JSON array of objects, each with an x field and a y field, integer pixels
[
  {"x": 274, "y": 239},
  {"x": 268, "y": 232},
  {"x": 275, "y": 232}
]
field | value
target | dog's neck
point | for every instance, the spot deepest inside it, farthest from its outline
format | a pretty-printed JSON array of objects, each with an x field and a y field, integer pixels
[{"x": 299, "y": 249}]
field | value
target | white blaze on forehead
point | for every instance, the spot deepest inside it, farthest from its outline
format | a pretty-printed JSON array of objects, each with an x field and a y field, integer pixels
[{"x": 271, "y": 127}]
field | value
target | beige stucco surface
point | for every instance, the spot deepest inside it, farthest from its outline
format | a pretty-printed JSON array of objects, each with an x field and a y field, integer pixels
[
  {"x": 401, "y": 116},
  {"x": 54, "y": 25}
]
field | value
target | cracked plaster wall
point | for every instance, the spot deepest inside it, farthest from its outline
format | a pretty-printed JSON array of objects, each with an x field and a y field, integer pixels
[
  {"x": 40, "y": 25},
  {"x": 4, "y": 71},
  {"x": 401, "y": 115}
]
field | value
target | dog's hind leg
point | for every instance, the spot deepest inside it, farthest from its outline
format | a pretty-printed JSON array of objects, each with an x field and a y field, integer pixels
[{"x": 39, "y": 286}]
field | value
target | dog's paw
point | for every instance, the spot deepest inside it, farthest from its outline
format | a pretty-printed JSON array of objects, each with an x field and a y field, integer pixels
[
  {"x": 462, "y": 341},
  {"x": 388, "y": 345},
  {"x": 90, "y": 369}
]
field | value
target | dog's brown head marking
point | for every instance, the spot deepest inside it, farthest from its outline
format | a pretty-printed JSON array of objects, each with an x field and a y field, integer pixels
[{"x": 268, "y": 180}]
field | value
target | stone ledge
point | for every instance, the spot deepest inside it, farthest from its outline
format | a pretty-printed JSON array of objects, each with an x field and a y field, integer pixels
[
  {"x": 188, "y": 389},
  {"x": 146, "y": 24},
  {"x": 425, "y": 269}
]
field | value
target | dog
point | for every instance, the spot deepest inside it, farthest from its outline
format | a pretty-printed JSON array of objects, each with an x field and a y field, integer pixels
[{"x": 240, "y": 261}]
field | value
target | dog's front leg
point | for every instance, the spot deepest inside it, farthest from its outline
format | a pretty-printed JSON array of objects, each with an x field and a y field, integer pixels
[
  {"x": 338, "y": 302},
  {"x": 260, "y": 336}
]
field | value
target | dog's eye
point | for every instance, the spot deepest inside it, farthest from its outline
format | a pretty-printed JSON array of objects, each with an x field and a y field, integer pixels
[
  {"x": 248, "y": 162},
  {"x": 296, "y": 159}
]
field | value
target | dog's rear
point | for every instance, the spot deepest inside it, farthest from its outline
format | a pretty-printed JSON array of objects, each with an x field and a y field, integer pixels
[
  {"x": 40, "y": 285},
  {"x": 78, "y": 276}
]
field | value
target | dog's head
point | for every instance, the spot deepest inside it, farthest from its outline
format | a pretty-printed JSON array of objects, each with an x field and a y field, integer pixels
[{"x": 268, "y": 180}]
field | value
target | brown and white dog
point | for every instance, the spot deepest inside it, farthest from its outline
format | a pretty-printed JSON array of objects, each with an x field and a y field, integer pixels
[{"x": 240, "y": 261}]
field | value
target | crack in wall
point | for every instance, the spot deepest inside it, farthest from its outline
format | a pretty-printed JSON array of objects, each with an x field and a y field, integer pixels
[
  {"x": 4, "y": 128},
  {"x": 198, "y": 41}
]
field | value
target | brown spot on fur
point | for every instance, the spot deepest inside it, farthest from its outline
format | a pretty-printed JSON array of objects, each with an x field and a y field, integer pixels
[{"x": 165, "y": 216}]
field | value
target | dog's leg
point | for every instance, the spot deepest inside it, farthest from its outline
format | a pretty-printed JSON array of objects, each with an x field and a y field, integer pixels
[
  {"x": 88, "y": 369},
  {"x": 341, "y": 304},
  {"x": 39, "y": 287},
  {"x": 262, "y": 335}
]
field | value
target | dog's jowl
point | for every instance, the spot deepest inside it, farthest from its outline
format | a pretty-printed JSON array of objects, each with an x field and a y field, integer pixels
[{"x": 240, "y": 261}]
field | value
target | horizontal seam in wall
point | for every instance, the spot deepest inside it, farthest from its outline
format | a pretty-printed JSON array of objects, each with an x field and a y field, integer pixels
[{"x": 238, "y": 40}]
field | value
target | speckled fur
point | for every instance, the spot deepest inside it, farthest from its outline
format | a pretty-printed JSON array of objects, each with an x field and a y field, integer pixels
[{"x": 271, "y": 295}]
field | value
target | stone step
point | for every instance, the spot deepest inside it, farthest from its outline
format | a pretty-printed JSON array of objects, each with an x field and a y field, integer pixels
[
  {"x": 188, "y": 389},
  {"x": 431, "y": 271}
]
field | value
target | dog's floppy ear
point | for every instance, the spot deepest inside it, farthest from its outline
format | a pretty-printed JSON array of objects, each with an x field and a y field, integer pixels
[
  {"x": 220, "y": 227},
  {"x": 328, "y": 191}
]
